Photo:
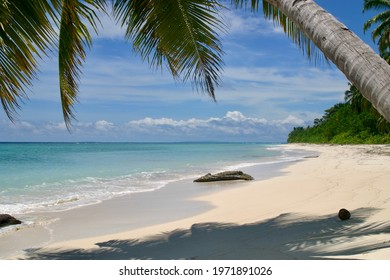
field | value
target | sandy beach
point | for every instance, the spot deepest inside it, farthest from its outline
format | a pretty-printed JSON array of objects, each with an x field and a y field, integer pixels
[{"x": 292, "y": 215}]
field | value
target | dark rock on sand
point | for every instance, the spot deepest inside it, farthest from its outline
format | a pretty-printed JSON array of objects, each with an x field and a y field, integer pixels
[
  {"x": 225, "y": 176},
  {"x": 344, "y": 214},
  {"x": 8, "y": 220}
]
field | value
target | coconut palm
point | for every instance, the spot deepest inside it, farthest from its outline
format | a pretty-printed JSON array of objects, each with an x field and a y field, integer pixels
[
  {"x": 381, "y": 32},
  {"x": 181, "y": 34},
  {"x": 358, "y": 103},
  {"x": 359, "y": 63},
  {"x": 25, "y": 34}
]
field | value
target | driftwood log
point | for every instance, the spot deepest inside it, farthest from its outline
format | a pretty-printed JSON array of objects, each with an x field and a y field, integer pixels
[{"x": 224, "y": 176}]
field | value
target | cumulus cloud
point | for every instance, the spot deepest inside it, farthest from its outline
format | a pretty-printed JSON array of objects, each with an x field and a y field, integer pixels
[
  {"x": 235, "y": 115},
  {"x": 233, "y": 126},
  {"x": 15, "y": 131},
  {"x": 103, "y": 125},
  {"x": 293, "y": 121},
  {"x": 109, "y": 29},
  {"x": 22, "y": 125},
  {"x": 244, "y": 22},
  {"x": 56, "y": 126}
]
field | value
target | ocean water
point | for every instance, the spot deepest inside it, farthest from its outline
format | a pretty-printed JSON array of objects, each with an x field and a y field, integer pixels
[{"x": 59, "y": 176}]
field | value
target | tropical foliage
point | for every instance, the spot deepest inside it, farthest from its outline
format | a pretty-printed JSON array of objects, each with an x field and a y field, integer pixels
[
  {"x": 271, "y": 12},
  {"x": 356, "y": 120},
  {"x": 352, "y": 122},
  {"x": 179, "y": 34},
  {"x": 381, "y": 32},
  {"x": 25, "y": 35}
]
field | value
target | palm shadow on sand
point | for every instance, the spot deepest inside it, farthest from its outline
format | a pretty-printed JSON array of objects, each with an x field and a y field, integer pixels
[{"x": 288, "y": 236}]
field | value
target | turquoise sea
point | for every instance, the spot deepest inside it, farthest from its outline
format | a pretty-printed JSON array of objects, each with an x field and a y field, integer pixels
[{"x": 60, "y": 176}]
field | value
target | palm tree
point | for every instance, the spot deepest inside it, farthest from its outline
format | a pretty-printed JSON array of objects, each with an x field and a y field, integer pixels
[
  {"x": 382, "y": 21},
  {"x": 25, "y": 34},
  {"x": 358, "y": 103},
  {"x": 180, "y": 34},
  {"x": 304, "y": 21}
]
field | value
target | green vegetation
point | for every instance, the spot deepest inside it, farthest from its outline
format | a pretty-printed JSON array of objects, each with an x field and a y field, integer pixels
[
  {"x": 380, "y": 24},
  {"x": 356, "y": 121},
  {"x": 352, "y": 122},
  {"x": 181, "y": 35}
]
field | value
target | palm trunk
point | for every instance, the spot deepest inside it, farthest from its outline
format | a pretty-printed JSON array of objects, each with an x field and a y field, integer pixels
[{"x": 359, "y": 63}]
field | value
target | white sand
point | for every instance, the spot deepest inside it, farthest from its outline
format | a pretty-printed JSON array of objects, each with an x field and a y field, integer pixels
[{"x": 291, "y": 216}]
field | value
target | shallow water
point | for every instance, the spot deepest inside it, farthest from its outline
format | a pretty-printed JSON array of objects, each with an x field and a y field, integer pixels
[{"x": 60, "y": 176}]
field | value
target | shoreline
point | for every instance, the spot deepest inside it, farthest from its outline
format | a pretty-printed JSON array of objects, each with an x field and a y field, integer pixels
[
  {"x": 91, "y": 188},
  {"x": 292, "y": 215},
  {"x": 175, "y": 201}
]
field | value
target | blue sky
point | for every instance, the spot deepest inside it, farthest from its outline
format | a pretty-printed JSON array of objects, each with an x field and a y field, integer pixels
[{"x": 268, "y": 87}]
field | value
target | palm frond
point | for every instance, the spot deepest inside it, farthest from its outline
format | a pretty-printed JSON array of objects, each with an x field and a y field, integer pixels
[
  {"x": 25, "y": 34},
  {"x": 357, "y": 101},
  {"x": 271, "y": 12},
  {"x": 381, "y": 17},
  {"x": 384, "y": 43},
  {"x": 386, "y": 56},
  {"x": 380, "y": 33},
  {"x": 182, "y": 34},
  {"x": 74, "y": 37},
  {"x": 360, "y": 104},
  {"x": 294, "y": 33},
  {"x": 253, "y": 5},
  {"x": 376, "y": 4}
]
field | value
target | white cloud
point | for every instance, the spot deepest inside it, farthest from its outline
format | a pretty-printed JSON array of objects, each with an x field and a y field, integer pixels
[
  {"x": 293, "y": 120},
  {"x": 103, "y": 125},
  {"x": 110, "y": 76},
  {"x": 22, "y": 125},
  {"x": 156, "y": 122},
  {"x": 120, "y": 79},
  {"x": 239, "y": 22},
  {"x": 15, "y": 131},
  {"x": 234, "y": 126},
  {"x": 259, "y": 79},
  {"x": 293, "y": 79},
  {"x": 56, "y": 126},
  {"x": 235, "y": 115},
  {"x": 109, "y": 29},
  {"x": 257, "y": 85}
]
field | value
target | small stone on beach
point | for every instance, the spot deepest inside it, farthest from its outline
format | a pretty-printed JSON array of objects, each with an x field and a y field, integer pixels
[{"x": 344, "y": 214}]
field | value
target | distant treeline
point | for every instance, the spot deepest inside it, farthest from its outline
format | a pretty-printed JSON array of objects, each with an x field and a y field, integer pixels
[{"x": 353, "y": 122}]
